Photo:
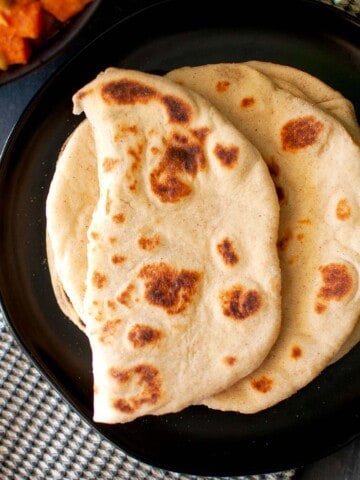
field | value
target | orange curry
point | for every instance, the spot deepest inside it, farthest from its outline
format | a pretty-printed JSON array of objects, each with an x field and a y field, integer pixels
[{"x": 26, "y": 24}]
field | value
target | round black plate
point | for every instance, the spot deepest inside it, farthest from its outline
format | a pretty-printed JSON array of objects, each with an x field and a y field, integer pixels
[{"x": 317, "y": 420}]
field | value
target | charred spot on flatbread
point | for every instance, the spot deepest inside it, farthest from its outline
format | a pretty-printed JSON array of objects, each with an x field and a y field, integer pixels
[
  {"x": 136, "y": 155},
  {"x": 182, "y": 160},
  {"x": 117, "y": 259},
  {"x": 337, "y": 282},
  {"x": 127, "y": 92},
  {"x": 125, "y": 297},
  {"x": 222, "y": 86},
  {"x": 178, "y": 110},
  {"x": 227, "y": 252},
  {"x": 262, "y": 384},
  {"x": 247, "y": 102},
  {"x": 170, "y": 189},
  {"x": 148, "y": 381},
  {"x": 300, "y": 133},
  {"x": 118, "y": 218},
  {"x": 230, "y": 360},
  {"x": 343, "y": 210},
  {"x": 149, "y": 243},
  {"x": 239, "y": 303},
  {"x": 296, "y": 352},
  {"x": 99, "y": 279},
  {"x": 227, "y": 154},
  {"x": 142, "y": 335},
  {"x": 320, "y": 308},
  {"x": 169, "y": 288},
  {"x": 129, "y": 129}
]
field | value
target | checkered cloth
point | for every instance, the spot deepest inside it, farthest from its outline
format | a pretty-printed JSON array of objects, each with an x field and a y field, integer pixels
[{"x": 42, "y": 438}]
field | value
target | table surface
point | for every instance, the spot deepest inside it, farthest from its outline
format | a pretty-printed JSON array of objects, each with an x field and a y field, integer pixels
[{"x": 34, "y": 444}]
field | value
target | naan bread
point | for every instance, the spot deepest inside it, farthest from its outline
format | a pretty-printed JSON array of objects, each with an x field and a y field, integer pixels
[
  {"x": 182, "y": 290},
  {"x": 308, "y": 87},
  {"x": 315, "y": 165},
  {"x": 70, "y": 203}
]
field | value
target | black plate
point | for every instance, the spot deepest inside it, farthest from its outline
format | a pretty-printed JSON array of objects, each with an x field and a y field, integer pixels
[
  {"x": 52, "y": 46},
  {"x": 317, "y": 420}
]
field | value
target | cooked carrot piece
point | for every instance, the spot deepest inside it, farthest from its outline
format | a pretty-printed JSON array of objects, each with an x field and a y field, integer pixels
[
  {"x": 5, "y": 3},
  {"x": 24, "y": 20},
  {"x": 3, "y": 61},
  {"x": 65, "y": 9},
  {"x": 26, "y": 24},
  {"x": 16, "y": 49},
  {"x": 21, "y": 2}
]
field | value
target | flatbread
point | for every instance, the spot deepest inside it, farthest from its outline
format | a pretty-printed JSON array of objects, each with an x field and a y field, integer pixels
[
  {"x": 315, "y": 165},
  {"x": 182, "y": 298},
  {"x": 311, "y": 88},
  {"x": 71, "y": 200}
]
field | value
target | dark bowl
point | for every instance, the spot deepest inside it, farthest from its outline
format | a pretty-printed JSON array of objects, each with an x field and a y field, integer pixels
[{"x": 52, "y": 46}]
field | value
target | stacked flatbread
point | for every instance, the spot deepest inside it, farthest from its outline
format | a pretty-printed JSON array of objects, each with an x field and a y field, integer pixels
[
  {"x": 180, "y": 300},
  {"x": 166, "y": 247}
]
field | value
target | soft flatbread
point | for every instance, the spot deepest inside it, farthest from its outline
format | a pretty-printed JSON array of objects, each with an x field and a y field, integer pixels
[
  {"x": 311, "y": 88},
  {"x": 182, "y": 291},
  {"x": 305, "y": 85},
  {"x": 315, "y": 165},
  {"x": 70, "y": 203}
]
